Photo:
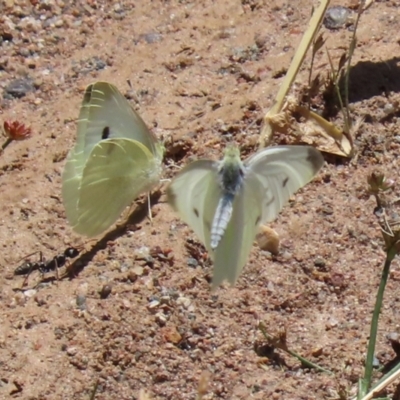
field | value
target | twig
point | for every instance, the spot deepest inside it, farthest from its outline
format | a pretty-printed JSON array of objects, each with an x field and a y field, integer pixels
[{"x": 303, "y": 360}]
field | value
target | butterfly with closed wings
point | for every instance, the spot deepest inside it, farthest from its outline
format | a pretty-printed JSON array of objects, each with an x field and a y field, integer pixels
[
  {"x": 225, "y": 202},
  {"x": 115, "y": 159}
]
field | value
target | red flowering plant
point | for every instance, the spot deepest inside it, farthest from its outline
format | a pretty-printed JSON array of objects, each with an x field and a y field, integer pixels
[{"x": 15, "y": 130}]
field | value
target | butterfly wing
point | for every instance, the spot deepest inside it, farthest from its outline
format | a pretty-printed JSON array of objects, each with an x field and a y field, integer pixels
[
  {"x": 281, "y": 171},
  {"x": 271, "y": 177},
  {"x": 236, "y": 243},
  {"x": 110, "y": 116},
  {"x": 117, "y": 171},
  {"x": 194, "y": 193},
  {"x": 101, "y": 165},
  {"x": 74, "y": 165}
]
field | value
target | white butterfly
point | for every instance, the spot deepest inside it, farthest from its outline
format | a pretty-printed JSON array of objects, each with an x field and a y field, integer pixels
[
  {"x": 115, "y": 159},
  {"x": 225, "y": 202}
]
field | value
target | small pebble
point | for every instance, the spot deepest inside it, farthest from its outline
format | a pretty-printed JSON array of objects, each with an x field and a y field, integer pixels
[
  {"x": 184, "y": 301},
  {"x": 161, "y": 319},
  {"x": 20, "y": 299},
  {"x": 336, "y": 17},
  {"x": 152, "y": 37},
  {"x": 317, "y": 352},
  {"x": 127, "y": 304},
  {"x": 393, "y": 336},
  {"x": 29, "y": 324},
  {"x": 72, "y": 351},
  {"x": 142, "y": 253},
  {"x": 268, "y": 239},
  {"x": 99, "y": 64},
  {"x": 332, "y": 323},
  {"x": 30, "y": 292},
  {"x": 192, "y": 262},
  {"x": 40, "y": 300},
  {"x": 18, "y": 88},
  {"x": 171, "y": 334},
  {"x": 81, "y": 302},
  {"x": 327, "y": 210},
  {"x": 153, "y": 304},
  {"x": 319, "y": 263},
  {"x": 135, "y": 272},
  {"x": 138, "y": 270},
  {"x": 105, "y": 291}
]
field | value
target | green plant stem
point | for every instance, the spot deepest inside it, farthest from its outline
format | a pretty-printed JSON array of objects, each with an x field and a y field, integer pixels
[
  {"x": 335, "y": 80},
  {"x": 93, "y": 394},
  {"x": 351, "y": 52},
  {"x": 391, "y": 253},
  {"x": 303, "y": 360},
  {"x": 6, "y": 143}
]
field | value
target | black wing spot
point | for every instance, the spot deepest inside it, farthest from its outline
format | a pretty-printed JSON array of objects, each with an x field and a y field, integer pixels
[
  {"x": 196, "y": 212},
  {"x": 314, "y": 157},
  {"x": 258, "y": 220},
  {"x": 106, "y": 132},
  {"x": 285, "y": 181}
]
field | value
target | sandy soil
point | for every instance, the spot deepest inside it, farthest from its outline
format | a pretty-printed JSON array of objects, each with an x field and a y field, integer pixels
[{"x": 204, "y": 73}]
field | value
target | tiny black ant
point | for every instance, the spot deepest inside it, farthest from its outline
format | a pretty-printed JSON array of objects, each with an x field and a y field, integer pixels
[{"x": 44, "y": 266}]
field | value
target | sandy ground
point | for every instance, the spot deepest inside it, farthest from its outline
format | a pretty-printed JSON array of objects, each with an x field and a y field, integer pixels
[{"x": 204, "y": 73}]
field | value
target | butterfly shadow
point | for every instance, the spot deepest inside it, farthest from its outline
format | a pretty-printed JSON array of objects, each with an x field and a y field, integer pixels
[{"x": 139, "y": 214}]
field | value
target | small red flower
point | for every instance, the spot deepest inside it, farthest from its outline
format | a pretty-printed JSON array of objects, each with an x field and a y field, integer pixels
[{"x": 16, "y": 130}]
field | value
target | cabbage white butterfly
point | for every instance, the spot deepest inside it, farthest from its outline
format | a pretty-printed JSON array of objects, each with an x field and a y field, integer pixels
[
  {"x": 225, "y": 202},
  {"x": 115, "y": 159}
]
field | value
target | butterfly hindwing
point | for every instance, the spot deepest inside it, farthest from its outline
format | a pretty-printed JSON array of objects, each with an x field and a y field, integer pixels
[
  {"x": 115, "y": 159},
  {"x": 117, "y": 171},
  {"x": 194, "y": 194}
]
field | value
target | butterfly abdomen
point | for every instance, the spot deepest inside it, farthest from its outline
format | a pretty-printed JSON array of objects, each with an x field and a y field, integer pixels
[
  {"x": 222, "y": 217},
  {"x": 230, "y": 175}
]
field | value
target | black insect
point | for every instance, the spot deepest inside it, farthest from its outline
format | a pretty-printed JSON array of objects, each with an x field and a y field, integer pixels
[{"x": 44, "y": 266}]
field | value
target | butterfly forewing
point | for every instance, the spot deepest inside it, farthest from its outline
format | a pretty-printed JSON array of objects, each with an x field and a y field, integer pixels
[
  {"x": 111, "y": 116},
  {"x": 194, "y": 194},
  {"x": 281, "y": 171}
]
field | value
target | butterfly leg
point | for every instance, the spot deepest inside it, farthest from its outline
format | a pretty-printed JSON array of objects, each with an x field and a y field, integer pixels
[
  {"x": 57, "y": 275},
  {"x": 149, "y": 207}
]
